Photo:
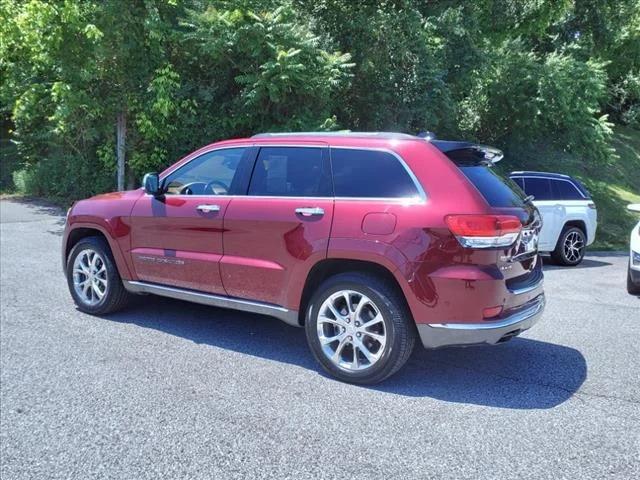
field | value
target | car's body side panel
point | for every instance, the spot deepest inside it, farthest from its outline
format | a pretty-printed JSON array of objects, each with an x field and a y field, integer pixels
[
  {"x": 269, "y": 249},
  {"x": 557, "y": 213},
  {"x": 109, "y": 214},
  {"x": 174, "y": 243}
]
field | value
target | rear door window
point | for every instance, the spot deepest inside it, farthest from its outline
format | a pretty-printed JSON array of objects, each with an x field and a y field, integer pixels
[
  {"x": 539, "y": 187},
  {"x": 564, "y": 190},
  {"x": 291, "y": 172},
  {"x": 370, "y": 174}
]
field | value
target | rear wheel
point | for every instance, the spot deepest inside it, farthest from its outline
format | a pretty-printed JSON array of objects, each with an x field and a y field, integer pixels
[
  {"x": 93, "y": 278},
  {"x": 359, "y": 328},
  {"x": 632, "y": 288},
  {"x": 570, "y": 248}
]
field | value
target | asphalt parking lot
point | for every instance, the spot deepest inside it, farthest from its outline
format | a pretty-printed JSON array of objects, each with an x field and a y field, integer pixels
[{"x": 169, "y": 389}]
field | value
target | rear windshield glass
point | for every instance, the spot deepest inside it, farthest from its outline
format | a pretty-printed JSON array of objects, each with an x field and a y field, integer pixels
[{"x": 497, "y": 191}]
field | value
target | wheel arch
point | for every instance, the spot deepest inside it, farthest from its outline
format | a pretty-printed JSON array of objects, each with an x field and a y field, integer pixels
[
  {"x": 578, "y": 223},
  {"x": 79, "y": 232},
  {"x": 329, "y": 267}
]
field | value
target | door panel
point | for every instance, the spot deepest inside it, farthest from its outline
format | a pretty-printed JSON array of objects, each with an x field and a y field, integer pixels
[
  {"x": 553, "y": 215},
  {"x": 177, "y": 240},
  {"x": 268, "y": 247},
  {"x": 175, "y": 243},
  {"x": 276, "y": 234}
]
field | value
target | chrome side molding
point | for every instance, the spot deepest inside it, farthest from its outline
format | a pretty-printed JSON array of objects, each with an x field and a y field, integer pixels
[{"x": 284, "y": 314}]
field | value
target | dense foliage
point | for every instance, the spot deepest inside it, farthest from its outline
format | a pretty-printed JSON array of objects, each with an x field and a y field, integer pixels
[{"x": 529, "y": 76}]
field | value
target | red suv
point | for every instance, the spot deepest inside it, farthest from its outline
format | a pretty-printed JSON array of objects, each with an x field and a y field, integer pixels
[{"x": 367, "y": 240}]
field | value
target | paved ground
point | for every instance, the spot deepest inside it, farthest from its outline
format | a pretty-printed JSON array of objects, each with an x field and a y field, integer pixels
[{"x": 173, "y": 390}]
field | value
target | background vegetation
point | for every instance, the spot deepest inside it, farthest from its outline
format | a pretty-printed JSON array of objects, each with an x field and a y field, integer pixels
[{"x": 556, "y": 84}]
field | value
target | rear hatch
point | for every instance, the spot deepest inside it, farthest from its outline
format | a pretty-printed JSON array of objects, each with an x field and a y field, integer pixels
[{"x": 518, "y": 262}]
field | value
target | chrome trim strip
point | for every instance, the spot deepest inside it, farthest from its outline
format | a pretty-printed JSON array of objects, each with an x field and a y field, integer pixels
[
  {"x": 531, "y": 288},
  {"x": 284, "y": 314},
  {"x": 487, "y": 325},
  {"x": 403, "y": 200},
  {"x": 436, "y": 335},
  {"x": 422, "y": 196}
]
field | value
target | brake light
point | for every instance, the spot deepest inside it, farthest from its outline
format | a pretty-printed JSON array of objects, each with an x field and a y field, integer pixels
[{"x": 484, "y": 231}]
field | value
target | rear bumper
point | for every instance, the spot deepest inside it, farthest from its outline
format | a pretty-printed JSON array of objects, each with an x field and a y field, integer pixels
[{"x": 436, "y": 335}]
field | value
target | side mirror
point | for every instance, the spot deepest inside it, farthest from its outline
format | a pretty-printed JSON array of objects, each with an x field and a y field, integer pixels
[{"x": 151, "y": 183}]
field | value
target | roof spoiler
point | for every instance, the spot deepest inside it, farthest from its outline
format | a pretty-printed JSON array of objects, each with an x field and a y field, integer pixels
[{"x": 469, "y": 153}]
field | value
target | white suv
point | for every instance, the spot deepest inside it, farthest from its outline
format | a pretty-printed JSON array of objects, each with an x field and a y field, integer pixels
[
  {"x": 569, "y": 216},
  {"x": 633, "y": 272}
]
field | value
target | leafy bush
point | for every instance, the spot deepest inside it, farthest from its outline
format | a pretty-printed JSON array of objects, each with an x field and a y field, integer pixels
[
  {"x": 50, "y": 178},
  {"x": 528, "y": 76},
  {"x": 524, "y": 99}
]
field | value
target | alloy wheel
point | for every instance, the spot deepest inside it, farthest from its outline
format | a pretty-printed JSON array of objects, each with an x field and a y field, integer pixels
[
  {"x": 351, "y": 330},
  {"x": 90, "y": 277},
  {"x": 573, "y": 246}
]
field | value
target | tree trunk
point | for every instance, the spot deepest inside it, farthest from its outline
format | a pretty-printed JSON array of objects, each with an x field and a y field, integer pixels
[{"x": 121, "y": 135}]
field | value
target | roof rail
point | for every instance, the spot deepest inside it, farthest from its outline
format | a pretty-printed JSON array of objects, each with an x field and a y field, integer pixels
[
  {"x": 540, "y": 174},
  {"x": 341, "y": 133}
]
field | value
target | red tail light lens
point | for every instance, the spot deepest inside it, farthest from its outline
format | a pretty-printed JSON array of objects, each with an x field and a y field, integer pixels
[
  {"x": 492, "y": 312},
  {"x": 483, "y": 225},
  {"x": 484, "y": 231}
]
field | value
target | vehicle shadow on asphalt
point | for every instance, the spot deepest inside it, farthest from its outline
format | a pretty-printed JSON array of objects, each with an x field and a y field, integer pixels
[{"x": 521, "y": 374}]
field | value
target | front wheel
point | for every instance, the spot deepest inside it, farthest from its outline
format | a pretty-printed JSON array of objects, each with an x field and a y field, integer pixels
[
  {"x": 570, "y": 248},
  {"x": 93, "y": 278},
  {"x": 359, "y": 328}
]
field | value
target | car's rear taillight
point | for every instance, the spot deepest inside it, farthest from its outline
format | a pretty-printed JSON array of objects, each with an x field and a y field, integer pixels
[
  {"x": 592, "y": 205},
  {"x": 484, "y": 231}
]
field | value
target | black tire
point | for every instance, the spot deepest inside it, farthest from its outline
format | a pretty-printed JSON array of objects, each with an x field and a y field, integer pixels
[
  {"x": 632, "y": 288},
  {"x": 115, "y": 296},
  {"x": 562, "y": 254},
  {"x": 399, "y": 327}
]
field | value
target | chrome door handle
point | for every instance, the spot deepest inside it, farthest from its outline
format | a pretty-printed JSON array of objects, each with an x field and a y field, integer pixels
[
  {"x": 309, "y": 211},
  {"x": 208, "y": 208}
]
